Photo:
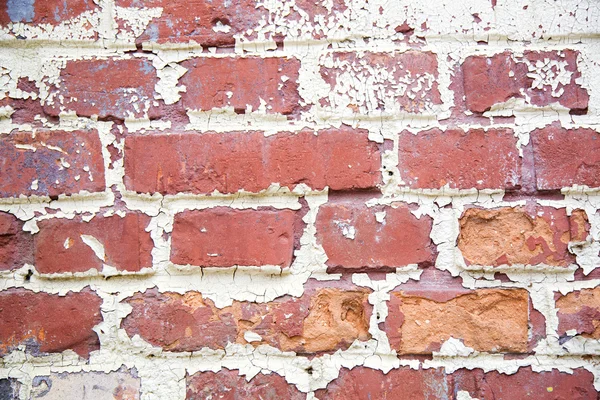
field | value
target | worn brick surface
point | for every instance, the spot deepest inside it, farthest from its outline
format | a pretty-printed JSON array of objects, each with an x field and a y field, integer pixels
[
  {"x": 46, "y": 323},
  {"x": 49, "y": 163},
  {"x": 77, "y": 246},
  {"x": 324, "y": 319},
  {"x": 51, "y": 12},
  {"x": 16, "y": 246},
  {"x": 202, "y": 163},
  {"x": 354, "y": 239}
]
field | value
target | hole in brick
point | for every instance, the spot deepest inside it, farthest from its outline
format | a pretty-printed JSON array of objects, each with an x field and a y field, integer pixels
[
  {"x": 54, "y": 198},
  {"x": 390, "y": 173},
  {"x": 239, "y": 110},
  {"x": 223, "y": 21},
  {"x": 28, "y": 275}
]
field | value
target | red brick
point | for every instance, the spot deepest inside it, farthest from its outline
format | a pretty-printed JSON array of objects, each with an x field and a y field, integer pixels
[
  {"x": 566, "y": 157},
  {"x": 16, "y": 246},
  {"x": 53, "y": 12},
  {"x": 118, "y": 88},
  {"x": 505, "y": 76},
  {"x": 222, "y": 237},
  {"x": 430, "y": 384},
  {"x": 44, "y": 156},
  {"x": 462, "y": 160},
  {"x": 228, "y": 385},
  {"x": 195, "y": 20},
  {"x": 520, "y": 236},
  {"x": 59, "y": 246},
  {"x": 580, "y": 311},
  {"x": 419, "y": 69},
  {"x": 399, "y": 240},
  {"x": 238, "y": 82},
  {"x": 202, "y": 163},
  {"x": 525, "y": 384},
  {"x": 48, "y": 323},
  {"x": 326, "y": 318},
  {"x": 491, "y": 320}
]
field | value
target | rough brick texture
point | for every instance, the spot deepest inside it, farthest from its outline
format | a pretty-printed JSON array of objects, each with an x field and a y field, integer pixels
[
  {"x": 203, "y": 163},
  {"x": 221, "y": 237},
  {"x": 45, "y": 323},
  {"x": 77, "y": 246},
  {"x": 296, "y": 199},
  {"x": 324, "y": 319},
  {"x": 50, "y": 163},
  {"x": 354, "y": 239}
]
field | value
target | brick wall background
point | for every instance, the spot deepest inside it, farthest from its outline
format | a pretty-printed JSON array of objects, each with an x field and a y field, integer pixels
[{"x": 331, "y": 199}]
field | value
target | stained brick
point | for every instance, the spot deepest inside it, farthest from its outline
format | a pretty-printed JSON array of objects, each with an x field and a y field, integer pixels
[
  {"x": 64, "y": 245},
  {"x": 49, "y": 163},
  {"x": 53, "y": 12},
  {"x": 47, "y": 323},
  {"x": 460, "y": 159},
  {"x": 580, "y": 311},
  {"x": 353, "y": 239},
  {"x": 16, "y": 246},
  {"x": 202, "y": 163}
]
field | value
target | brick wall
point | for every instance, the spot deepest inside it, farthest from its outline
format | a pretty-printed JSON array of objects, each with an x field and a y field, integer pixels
[{"x": 331, "y": 199}]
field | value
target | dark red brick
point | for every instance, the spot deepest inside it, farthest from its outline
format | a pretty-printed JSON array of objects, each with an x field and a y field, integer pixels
[
  {"x": 580, "y": 311},
  {"x": 238, "y": 82},
  {"x": 354, "y": 240},
  {"x": 419, "y": 69},
  {"x": 520, "y": 236},
  {"x": 326, "y": 318},
  {"x": 53, "y": 12},
  {"x": 462, "y": 160},
  {"x": 16, "y": 246},
  {"x": 229, "y": 385},
  {"x": 496, "y": 79},
  {"x": 118, "y": 88},
  {"x": 566, "y": 157},
  {"x": 491, "y": 320},
  {"x": 48, "y": 323},
  {"x": 60, "y": 246},
  {"x": 44, "y": 156},
  {"x": 202, "y": 163}
]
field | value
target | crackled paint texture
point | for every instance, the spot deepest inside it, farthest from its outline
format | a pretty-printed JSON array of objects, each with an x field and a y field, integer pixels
[{"x": 299, "y": 199}]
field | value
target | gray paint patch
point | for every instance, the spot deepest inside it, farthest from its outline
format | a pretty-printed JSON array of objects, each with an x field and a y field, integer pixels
[{"x": 20, "y": 10}]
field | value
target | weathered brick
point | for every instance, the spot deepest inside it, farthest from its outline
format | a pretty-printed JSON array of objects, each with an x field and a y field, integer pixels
[
  {"x": 118, "y": 88},
  {"x": 238, "y": 82},
  {"x": 209, "y": 23},
  {"x": 202, "y": 163},
  {"x": 514, "y": 236},
  {"x": 227, "y": 384},
  {"x": 366, "y": 82},
  {"x": 353, "y": 239},
  {"x": 580, "y": 311},
  {"x": 64, "y": 245},
  {"x": 51, "y": 12},
  {"x": 542, "y": 78},
  {"x": 47, "y": 323},
  {"x": 460, "y": 159},
  {"x": 222, "y": 237},
  {"x": 492, "y": 320},
  {"x": 16, "y": 246},
  {"x": 119, "y": 385},
  {"x": 429, "y": 384},
  {"x": 566, "y": 157},
  {"x": 326, "y": 318},
  {"x": 49, "y": 163}
]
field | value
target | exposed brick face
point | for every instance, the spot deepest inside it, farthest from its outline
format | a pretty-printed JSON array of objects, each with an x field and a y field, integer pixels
[
  {"x": 354, "y": 239},
  {"x": 221, "y": 237},
  {"x": 47, "y": 323},
  {"x": 51, "y": 12},
  {"x": 78, "y": 246},
  {"x": 16, "y": 246},
  {"x": 516, "y": 236},
  {"x": 566, "y": 157},
  {"x": 241, "y": 82},
  {"x": 127, "y": 88},
  {"x": 460, "y": 159},
  {"x": 324, "y": 319},
  {"x": 49, "y": 163},
  {"x": 491, "y": 320},
  {"x": 542, "y": 78},
  {"x": 580, "y": 311},
  {"x": 202, "y": 163}
]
